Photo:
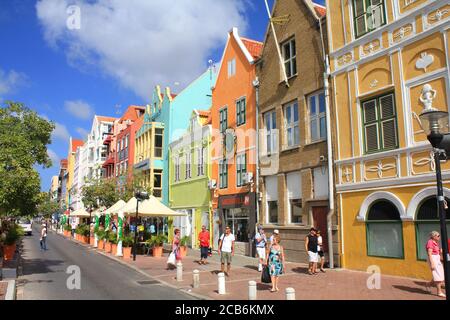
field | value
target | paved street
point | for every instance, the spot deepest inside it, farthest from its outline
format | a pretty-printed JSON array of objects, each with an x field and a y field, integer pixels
[{"x": 44, "y": 274}]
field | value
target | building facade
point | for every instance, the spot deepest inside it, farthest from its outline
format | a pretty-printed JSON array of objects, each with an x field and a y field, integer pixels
[
  {"x": 189, "y": 175},
  {"x": 293, "y": 144},
  {"x": 389, "y": 59},
  {"x": 70, "y": 174},
  {"x": 233, "y": 114},
  {"x": 54, "y": 189}
]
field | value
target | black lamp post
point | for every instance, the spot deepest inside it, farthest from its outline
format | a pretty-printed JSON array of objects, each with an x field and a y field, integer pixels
[
  {"x": 139, "y": 195},
  {"x": 433, "y": 121}
]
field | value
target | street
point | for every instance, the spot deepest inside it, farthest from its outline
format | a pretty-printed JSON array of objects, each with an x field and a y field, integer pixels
[{"x": 44, "y": 274}]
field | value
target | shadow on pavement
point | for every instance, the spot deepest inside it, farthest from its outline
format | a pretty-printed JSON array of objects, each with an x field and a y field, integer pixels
[
  {"x": 34, "y": 266},
  {"x": 251, "y": 267},
  {"x": 300, "y": 270},
  {"x": 411, "y": 289}
]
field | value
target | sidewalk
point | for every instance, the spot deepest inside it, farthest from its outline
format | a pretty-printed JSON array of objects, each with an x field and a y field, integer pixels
[{"x": 336, "y": 284}]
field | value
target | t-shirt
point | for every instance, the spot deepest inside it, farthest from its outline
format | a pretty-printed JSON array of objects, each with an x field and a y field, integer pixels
[
  {"x": 319, "y": 243},
  {"x": 152, "y": 228},
  {"x": 203, "y": 236},
  {"x": 44, "y": 232},
  {"x": 227, "y": 242},
  {"x": 431, "y": 244},
  {"x": 262, "y": 243},
  {"x": 312, "y": 243}
]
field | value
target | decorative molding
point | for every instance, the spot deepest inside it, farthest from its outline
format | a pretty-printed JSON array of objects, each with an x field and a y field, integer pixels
[
  {"x": 373, "y": 83},
  {"x": 425, "y": 161},
  {"x": 418, "y": 198},
  {"x": 380, "y": 195},
  {"x": 424, "y": 61},
  {"x": 402, "y": 33},
  {"x": 344, "y": 59},
  {"x": 436, "y": 16},
  {"x": 380, "y": 168},
  {"x": 371, "y": 47}
]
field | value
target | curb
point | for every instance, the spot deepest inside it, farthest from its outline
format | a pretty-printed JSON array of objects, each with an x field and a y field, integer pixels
[
  {"x": 196, "y": 295},
  {"x": 11, "y": 290}
]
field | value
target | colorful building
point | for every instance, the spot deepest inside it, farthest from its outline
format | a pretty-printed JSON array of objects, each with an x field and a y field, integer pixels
[
  {"x": 70, "y": 174},
  {"x": 54, "y": 188},
  {"x": 293, "y": 145},
  {"x": 389, "y": 59},
  {"x": 233, "y": 114},
  {"x": 189, "y": 175},
  {"x": 61, "y": 198}
]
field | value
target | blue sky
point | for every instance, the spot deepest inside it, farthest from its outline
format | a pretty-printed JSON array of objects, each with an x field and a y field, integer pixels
[{"x": 114, "y": 59}]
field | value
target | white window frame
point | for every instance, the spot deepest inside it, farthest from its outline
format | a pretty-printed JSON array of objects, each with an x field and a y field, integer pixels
[
  {"x": 293, "y": 125},
  {"x": 241, "y": 169},
  {"x": 231, "y": 67},
  {"x": 188, "y": 165},
  {"x": 317, "y": 117},
  {"x": 292, "y": 60},
  {"x": 270, "y": 134}
]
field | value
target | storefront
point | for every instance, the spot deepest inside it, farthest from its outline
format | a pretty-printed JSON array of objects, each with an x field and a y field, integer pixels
[{"x": 238, "y": 211}]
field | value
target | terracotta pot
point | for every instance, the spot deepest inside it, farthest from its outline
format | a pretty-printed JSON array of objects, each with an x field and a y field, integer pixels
[
  {"x": 126, "y": 253},
  {"x": 157, "y": 251},
  {"x": 77, "y": 237},
  {"x": 86, "y": 239},
  {"x": 114, "y": 249},
  {"x": 108, "y": 247},
  {"x": 91, "y": 241},
  {"x": 183, "y": 251},
  {"x": 101, "y": 245},
  {"x": 8, "y": 252}
]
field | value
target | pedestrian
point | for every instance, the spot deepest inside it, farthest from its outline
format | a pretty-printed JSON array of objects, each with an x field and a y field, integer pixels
[
  {"x": 261, "y": 242},
  {"x": 320, "y": 250},
  {"x": 43, "y": 238},
  {"x": 203, "y": 238},
  {"x": 434, "y": 260},
  {"x": 275, "y": 232},
  {"x": 311, "y": 249},
  {"x": 226, "y": 250},
  {"x": 176, "y": 244},
  {"x": 152, "y": 229},
  {"x": 275, "y": 261}
]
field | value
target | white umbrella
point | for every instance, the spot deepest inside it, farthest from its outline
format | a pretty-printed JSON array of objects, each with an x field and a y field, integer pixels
[
  {"x": 80, "y": 213},
  {"x": 116, "y": 207},
  {"x": 150, "y": 208}
]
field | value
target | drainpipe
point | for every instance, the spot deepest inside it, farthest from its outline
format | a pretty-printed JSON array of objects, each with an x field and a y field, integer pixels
[
  {"x": 256, "y": 86},
  {"x": 330, "y": 214}
]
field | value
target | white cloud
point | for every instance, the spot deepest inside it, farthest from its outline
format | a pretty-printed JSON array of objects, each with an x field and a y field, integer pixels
[
  {"x": 11, "y": 81},
  {"x": 82, "y": 132},
  {"x": 79, "y": 109},
  {"x": 60, "y": 132},
  {"x": 53, "y": 156},
  {"x": 142, "y": 43}
]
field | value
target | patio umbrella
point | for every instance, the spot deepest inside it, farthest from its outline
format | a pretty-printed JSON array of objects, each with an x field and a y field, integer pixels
[
  {"x": 115, "y": 207},
  {"x": 151, "y": 207},
  {"x": 80, "y": 213}
]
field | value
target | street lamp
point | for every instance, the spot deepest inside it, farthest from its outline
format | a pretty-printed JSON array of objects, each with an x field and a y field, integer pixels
[
  {"x": 140, "y": 196},
  {"x": 433, "y": 121}
]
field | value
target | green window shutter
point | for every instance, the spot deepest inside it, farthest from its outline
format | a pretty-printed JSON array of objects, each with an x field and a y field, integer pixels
[
  {"x": 371, "y": 133},
  {"x": 389, "y": 134},
  {"x": 370, "y": 111},
  {"x": 387, "y": 106}
]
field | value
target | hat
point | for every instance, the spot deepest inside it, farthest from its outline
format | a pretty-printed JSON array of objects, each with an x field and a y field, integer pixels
[{"x": 276, "y": 231}]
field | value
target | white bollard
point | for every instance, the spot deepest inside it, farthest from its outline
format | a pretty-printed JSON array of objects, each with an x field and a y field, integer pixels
[
  {"x": 179, "y": 271},
  {"x": 252, "y": 290},
  {"x": 290, "y": 294},
  {"x": 95, "y": 241},
  {"x": 119, "y": 249},
  {"x": 196, "y": 278},
  {"x": 221, "y": 279}
]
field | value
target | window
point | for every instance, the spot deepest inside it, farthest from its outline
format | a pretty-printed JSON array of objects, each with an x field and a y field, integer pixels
[
  {"x": 188, "y": 164},
  {"x": 273, "y": 211},
  {"x": 200, "y": 161},
  {"x": 159, "y": 142},
  {"x": 240, "y": 112},
  {"x": 157, "y": 183},
  {"x": 270, "y": 122},
  {"x": 294, "y": 193},
  {"x": 289, "y": 56},
  {"x": 223, "y": 119},
  {"x": 271, "y": 186},
  {"x": 127, "y": 140},
  {"x": 204, "y": 159},
  {"x": 238, "y": 220},
  {"x": 428, "y": 220},
  {"x": 231, "y": 67},
  {"x": 384, "y": 231},
  {"x": 223, "y": 174},
  {"x": 317, "y": 117},
  {"x": 380, "y": 124},
  {"x": 177, "y": 169},
  {"x": 241, "y": 169},
  {"x": 368, "y": 15},
  {"x": 295, "y": 206},
  {"x": 291, "y": 124}
]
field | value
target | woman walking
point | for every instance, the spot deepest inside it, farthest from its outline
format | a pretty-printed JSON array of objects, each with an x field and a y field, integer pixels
[
  {"x": 176, "y": 245},
  {"x": 275, "y": 262},
  {"x": 434, "y": 260}
]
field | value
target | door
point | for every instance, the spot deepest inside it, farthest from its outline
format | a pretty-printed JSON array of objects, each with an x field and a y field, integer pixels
[{"x": 320, "y": 222}]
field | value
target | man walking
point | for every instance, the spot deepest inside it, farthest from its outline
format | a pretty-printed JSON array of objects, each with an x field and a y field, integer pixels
[
  {"x": 261, "y": 241},
  {"x": 226, "y": 250},
  {"x": 203, "y": 237},
  {"x": 311, "y": 247},
  {"x": 43, "y": 238}
]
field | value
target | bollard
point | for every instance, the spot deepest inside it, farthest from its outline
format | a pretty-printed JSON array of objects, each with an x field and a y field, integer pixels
[
  {"x": 179, "y": 271},
  {"x": 196, "y": 278},
  {"x": 221, "y": 279},
  {"x": 252, "y": 290},
  {"x": 290, "y": 294}
]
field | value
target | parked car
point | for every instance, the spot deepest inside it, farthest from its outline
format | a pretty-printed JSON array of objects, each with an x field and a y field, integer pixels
[{"x": 27, "y": 225}]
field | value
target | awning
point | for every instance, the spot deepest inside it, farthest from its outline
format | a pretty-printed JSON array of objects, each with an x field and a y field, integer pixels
[
  {"x": 80, "y": 213},
  {"x": 116, "y": 207},
  {"x": 150, "y": 208},
  {"x": 98, "y": 211}
]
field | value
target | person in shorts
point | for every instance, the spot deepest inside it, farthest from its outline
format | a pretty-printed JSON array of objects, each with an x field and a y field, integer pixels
[
  {"x": 261, "y": 241},
  {"x": 311, "y": 248},
  {"x": 320, "y": 250},
  {"x": 226, "y": 250},
  {"x": 203, "y": 238}
]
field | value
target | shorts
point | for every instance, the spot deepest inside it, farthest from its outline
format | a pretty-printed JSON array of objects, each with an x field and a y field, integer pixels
[
  {"x": 320, "y": 253},
  {"x": 225, "y": 257},
  {"x": 313, "y": 256},
  {"x": 261, "y": 252},
  {"x": 204, "y": 252}
]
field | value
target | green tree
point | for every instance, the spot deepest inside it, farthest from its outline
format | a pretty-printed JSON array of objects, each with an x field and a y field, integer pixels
[
  {"x": 46, "y": 206},
  {"x": 100, "y": 193},
  {"x": 24, "y": 137}
]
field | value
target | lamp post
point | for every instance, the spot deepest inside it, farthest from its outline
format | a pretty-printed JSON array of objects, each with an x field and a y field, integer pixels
[
  {"x": 433, "y": 121},
  {"x": 139, "y": 195}
]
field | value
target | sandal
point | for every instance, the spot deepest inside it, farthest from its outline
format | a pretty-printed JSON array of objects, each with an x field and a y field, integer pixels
[
  {"x": 442, "y": 295},
  {"x": 272, "y": 290}
]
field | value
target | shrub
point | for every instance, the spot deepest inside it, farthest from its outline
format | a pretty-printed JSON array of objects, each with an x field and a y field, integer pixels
[
  {"x": 157, "y": 241},
  {"x": 112, "y": 237},
  {"x": 185, "y": 240},
  {"x": 101, "y": 234},
  {"x": 127, "y": 241},
  {"x": 67, "y": 227}
]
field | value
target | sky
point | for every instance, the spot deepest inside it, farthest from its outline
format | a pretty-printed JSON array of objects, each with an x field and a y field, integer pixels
[{"x": 71, "y": 59}]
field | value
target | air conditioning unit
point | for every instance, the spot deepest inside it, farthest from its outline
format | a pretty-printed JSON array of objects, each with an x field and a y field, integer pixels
[
  {"x": 212, "y": 184},
  {"x": 248, "y": 177}
]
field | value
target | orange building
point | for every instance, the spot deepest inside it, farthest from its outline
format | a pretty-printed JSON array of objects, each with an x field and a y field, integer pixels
[{"x": 233, "y": 115}]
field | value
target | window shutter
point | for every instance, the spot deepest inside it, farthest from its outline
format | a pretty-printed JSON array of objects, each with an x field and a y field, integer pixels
[
  {"x": 361, "y": 25},
  {"x": 359, "y": 7},
  {"x": 370, "y": 111},
  {"x": 371, "y": 137},
  {"x": 387, "y": 106},
  {"x": 389, "y": 128}
]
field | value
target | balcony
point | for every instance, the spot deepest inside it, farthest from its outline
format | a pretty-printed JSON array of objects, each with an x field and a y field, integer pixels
[
  {"x": 110, "y": 160},
  {"x": 108, "y": 139}
]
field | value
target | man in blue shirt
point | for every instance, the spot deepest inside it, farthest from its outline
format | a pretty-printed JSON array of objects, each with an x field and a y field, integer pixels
[{"x": 261, "y": 240}]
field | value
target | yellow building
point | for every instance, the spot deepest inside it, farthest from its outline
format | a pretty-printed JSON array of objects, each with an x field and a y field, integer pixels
[
  {"x": 73, "y": 145},
  {"x": 389, "y": 59}
]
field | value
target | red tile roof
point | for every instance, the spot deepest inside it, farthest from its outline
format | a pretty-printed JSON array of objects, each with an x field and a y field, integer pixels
[
  {"x": 76, "y": 143},
  {"x": 132, "y": 113},
  {"x": 320, "y": 10},
  {"x": 204, "y": 113},
  {"x": 253, "y": 46}
]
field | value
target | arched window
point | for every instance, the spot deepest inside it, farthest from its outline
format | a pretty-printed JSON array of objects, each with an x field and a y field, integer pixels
[
  {"x": 384, "y": 230},
  {"x": 427, "y": 220}
]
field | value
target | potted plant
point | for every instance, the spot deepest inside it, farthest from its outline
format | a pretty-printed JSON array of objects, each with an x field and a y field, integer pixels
[
  {"x": 107, "y": 242},
  {"x": 9, "y": 242},
  {"x": 113, "y": 240},
  {"x": 85, "y": 234},
  {"x": 67, "y": 230},
  {"x": 101, "y": 237},
  {"x": 156, "y": 242},
  {"x": 183, "y": 245},
  {"x": 127, "y": 243}
]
